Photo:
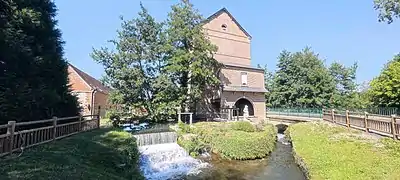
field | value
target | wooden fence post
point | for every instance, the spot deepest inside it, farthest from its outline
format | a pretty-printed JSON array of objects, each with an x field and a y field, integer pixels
[
  {"x": 10, "y": 132},
  {"x": 366, "y": 121},
  {"x": 98, "y": 118},
  {"x": 80, "y": 123},
  {"x": 393, "y": 127},
  {"x": 54, "y": 127},
  {"x": 333, "y": 115},
  {"x": 191, "y": 118},
  {"x": 322, "y": 114},
  {"x": 179, "y": 117},
  {"x": 347, "y": 118}
]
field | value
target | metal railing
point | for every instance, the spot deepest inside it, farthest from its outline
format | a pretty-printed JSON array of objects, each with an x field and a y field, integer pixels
[{"x": 300, "y": 112}]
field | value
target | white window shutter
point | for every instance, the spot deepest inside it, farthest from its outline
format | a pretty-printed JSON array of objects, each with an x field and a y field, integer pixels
[{"x": 244, "y": 78}]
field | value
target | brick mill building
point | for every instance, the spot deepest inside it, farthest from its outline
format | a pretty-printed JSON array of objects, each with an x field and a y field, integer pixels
[
  {"x": 242, "y": 84},
  {"x": 91, "y": 93}
]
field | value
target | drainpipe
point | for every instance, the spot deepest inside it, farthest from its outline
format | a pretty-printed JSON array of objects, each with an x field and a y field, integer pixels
[{"x": 92, "y": 101}]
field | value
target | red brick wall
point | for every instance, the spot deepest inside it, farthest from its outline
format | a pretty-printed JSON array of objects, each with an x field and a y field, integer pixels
[
  {"x": 76, "y": 83},
  {"x": 101, "y": 99},
  {"x": 233, "y": 44}
]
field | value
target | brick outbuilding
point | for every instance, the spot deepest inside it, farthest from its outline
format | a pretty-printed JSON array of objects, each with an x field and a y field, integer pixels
[{"x": 91, "y": 93}]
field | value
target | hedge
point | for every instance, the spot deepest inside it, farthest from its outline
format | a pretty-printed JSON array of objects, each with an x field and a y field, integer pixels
[{"x": 236, "y": 140}]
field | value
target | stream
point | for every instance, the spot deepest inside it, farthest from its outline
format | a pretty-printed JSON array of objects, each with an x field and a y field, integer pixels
[{"x": 171, "y": 162}]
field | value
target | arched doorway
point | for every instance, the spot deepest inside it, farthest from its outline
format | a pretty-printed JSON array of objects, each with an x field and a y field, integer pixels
[{"x": 241, "y": 103}]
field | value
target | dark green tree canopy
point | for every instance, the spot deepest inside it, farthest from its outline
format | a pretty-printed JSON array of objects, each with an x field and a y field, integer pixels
[
  {"x": 191, "y": 63},
  {"x": 34, "y": 74},
  {"x": 345, "y": 94},
  {"x": 301, "y": 80},
  {"x": 161, "y": 66},
  {"x": 388, "y": 10}
]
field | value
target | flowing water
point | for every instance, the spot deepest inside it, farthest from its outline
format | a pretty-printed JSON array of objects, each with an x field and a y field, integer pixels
[
  {"x": 279, "y": 165},
  {"x": 170, "y": 161},
  {"x": 155, "y": 138}
]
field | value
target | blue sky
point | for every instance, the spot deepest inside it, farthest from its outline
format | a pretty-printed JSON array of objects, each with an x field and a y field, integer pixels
[{"x": 341, "y": 30}]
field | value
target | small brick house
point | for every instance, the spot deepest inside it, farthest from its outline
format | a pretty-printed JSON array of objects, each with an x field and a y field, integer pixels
[
  {"x": 91, "y": 93},
  {"x": 241, "y": 84}
]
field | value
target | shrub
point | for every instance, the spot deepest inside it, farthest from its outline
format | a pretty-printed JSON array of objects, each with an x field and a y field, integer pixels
[
  {"x": 192, "y": 144},
  {"x": 243, "y": 126},
  {"x": 231, "y": 141},
  {"x": 183, "y": 128},
  {"x": 242, "y": 145}
]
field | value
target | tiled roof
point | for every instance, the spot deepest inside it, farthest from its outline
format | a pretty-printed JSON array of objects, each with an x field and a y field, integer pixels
[
  {"x": 244, "y": 89},
  {"x": 91, "y": 81}
]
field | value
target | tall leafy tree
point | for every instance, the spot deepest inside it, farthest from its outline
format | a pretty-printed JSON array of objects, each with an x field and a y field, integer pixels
[
  {"x": 345, "y": 94},
  {"x": 34, "y": 74},
  {"x": 385, "y": 89},
  {"x": 268, "y": 80},
  {"x": 388, "y": 10},
  {"x": 301, "y": 80},
  {"x": 136, "y": 70},
  {"x": 191, "y": 65}
]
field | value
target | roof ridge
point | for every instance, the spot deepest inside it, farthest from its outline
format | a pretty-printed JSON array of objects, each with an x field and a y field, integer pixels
[
  {"x": 89, "y": 80},
  {"x": 219, "y": 12}
]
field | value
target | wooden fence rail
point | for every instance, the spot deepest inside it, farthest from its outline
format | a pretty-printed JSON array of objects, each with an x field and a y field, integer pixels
[
  {"x": 374, "y": 123},
  {"x": 51, "y": 129}
]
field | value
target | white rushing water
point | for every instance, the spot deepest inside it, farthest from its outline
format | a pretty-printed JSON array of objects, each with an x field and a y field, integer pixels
[
  {"x": 282, "y": 139},
  {"x": 167, "y": 161}
]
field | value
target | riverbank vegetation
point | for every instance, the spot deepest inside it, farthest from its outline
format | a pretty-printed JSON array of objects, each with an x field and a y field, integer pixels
[
  {"x": 235, "y": 140},
  {"x": 331, "y": 152},
  {"x": 99, "y": 154}
]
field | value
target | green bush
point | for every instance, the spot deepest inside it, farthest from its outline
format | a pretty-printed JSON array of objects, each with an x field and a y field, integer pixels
[
  {"x": 231, "y": 142},
  {"x": 242, "y": 145},
  {"x": 183, "y": 128},
  {"x": 243, "y": 126},
  {"x": 193, "y": 145}
]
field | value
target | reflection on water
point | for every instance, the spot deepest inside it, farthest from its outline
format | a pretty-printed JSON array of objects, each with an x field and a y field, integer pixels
[{"x": 280, "y": 165}]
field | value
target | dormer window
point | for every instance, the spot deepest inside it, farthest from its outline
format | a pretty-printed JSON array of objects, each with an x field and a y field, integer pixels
[
  {"x": 244, "y": 78},
  {"x": 224, "y": 26}
]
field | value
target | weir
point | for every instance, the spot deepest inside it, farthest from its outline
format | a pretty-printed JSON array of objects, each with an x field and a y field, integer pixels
[
  {"x": 168, "y": 161},
  {"x": 155, "y": 138}
]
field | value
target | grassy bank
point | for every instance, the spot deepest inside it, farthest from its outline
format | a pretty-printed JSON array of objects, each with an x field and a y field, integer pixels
[
  {"x": 98, "y": 154},
  {"x": 332, "y": 152},
  {"x": 236, "y": 140}
]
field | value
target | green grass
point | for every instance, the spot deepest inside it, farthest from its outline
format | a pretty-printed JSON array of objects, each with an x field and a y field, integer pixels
[
  {"x": 98, "y": 154},
  {"x": 229, "y": 140},
  {"x": 105, "y": 122},
  {"x": 336, "y": 153}
]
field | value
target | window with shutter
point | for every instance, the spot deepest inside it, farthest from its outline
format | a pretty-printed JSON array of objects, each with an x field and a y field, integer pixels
[{"x": 244, "y": 78}]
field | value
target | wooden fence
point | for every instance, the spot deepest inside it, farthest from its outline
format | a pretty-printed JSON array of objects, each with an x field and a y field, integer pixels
[
  {"x": 379, "y": 124},
  {"x": 19, "y": 137}
]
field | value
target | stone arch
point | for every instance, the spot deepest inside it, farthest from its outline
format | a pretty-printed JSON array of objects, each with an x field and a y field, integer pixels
[
  {"x": 241, "y": 103},
  {"x": 281, "y": 128}
]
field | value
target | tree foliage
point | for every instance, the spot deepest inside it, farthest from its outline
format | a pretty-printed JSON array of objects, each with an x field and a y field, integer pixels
[
  {"x": 191, "y": 65},
  {"x": 160, "y": 66},
  {"x": 268, "y": 80},
  {"x": 385, "y": 89},
  {"x": 301, "y": 80},
  {"x": 388, "y": 10},
  {"x": 345, "y": 94},
  {"x": 33, "y": 73}
]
